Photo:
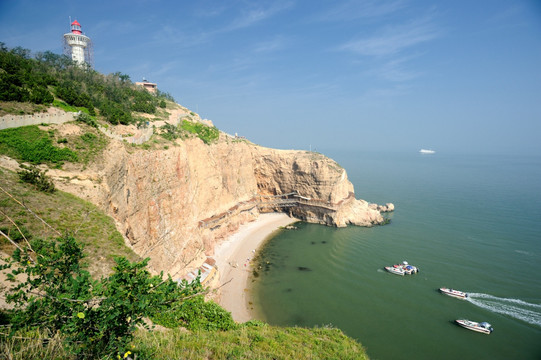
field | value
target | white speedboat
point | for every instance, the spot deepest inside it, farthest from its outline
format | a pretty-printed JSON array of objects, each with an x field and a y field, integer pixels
[
  {"x": 395, "y": 270},
  {"x": 427, "y": 151},
  {"x": 454, "y": 293},
  {"x": 402, "y": 269},
  {"x": 482, "y": 327}
]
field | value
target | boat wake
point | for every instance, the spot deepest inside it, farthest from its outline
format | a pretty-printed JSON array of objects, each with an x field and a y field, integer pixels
[{"x": 518, "y": 309}]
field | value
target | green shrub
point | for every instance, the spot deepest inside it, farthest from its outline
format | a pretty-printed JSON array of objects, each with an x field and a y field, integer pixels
[
  {"x": 206, "y": 133},
  {"x": 115, "y": 112},
  {"x": 87, "y": 119},
  {"x": 36, "y": 177},
  {"x": 254, "y": 323},
  {"x": 196, "y": 314},
  {"x": 40, "y": 95},
  {"x": 88, "y": 137},
  {"x": 95, "y": 318}
]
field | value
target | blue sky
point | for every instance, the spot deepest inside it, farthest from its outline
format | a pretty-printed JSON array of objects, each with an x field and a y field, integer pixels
[{"x": 455, "y": 76}]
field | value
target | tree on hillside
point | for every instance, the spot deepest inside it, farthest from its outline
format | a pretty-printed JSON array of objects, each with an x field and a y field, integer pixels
[{"x": 27, "y": 79}]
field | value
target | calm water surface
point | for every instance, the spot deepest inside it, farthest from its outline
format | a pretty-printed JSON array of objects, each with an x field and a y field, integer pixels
[{"x": 470, "y": 223}]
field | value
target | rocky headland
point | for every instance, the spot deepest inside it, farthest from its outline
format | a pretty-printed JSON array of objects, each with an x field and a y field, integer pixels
[{"x": 175, "y": 204}]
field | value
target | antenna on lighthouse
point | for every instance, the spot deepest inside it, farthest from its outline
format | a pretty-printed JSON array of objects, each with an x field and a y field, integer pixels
[{"x": 77, "y": 45}]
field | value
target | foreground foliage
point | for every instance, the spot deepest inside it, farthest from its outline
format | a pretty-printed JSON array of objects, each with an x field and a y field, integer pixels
[
  {"x": 196, "y": 314},
  {"x": 94, "y": 317},
  {"x": 252, "y": 340}
]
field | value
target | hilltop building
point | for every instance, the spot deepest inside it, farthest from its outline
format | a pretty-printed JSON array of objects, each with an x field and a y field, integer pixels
[
  {"x": 150, "y": 87},
  {"x": 77, "y": 45}
]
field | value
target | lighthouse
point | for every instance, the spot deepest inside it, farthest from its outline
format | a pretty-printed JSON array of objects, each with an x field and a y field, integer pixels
[{"x": 78, "y": 45}]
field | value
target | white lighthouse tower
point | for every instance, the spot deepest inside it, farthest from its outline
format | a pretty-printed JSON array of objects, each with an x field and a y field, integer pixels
[{"x": 78, "y": 45}]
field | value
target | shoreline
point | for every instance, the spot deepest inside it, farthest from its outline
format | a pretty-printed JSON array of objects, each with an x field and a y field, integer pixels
[{"x": 233, "y": 260}]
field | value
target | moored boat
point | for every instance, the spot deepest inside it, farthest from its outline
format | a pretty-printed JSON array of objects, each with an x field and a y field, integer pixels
[
  {"x": 395, "y": 270},
  {"x": 454, "y": 293},
  {"x": 402, "y": 269},
  {"x": 482, "y": 327}
]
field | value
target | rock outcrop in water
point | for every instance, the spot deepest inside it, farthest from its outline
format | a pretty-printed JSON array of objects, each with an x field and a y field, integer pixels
[{"x": 175, "y": 205}]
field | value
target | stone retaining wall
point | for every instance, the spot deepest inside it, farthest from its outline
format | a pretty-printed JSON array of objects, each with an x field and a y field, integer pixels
[
  {"x": 60, "y": 117},
  {"x": 13, "y": 121}
]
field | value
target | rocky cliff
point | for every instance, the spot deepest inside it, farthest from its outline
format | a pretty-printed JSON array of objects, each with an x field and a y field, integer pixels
[
  {"x": 322, "y": 188},
  {"x": 176, "y": 204}
]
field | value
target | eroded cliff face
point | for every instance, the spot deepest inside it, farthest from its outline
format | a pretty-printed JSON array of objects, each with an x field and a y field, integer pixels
[
  {"x": 175, "y": 205},
  {"x": 312, "y": 175},
  {"x": 324, "y": 192},
  {"x": 164, "y": 200}
]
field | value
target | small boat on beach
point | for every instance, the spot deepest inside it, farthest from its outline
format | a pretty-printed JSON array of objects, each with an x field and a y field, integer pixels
[
  {"x": 482, "y": 327},
  {"x": 402, "y": 269},
  {"x": 453, "y": 293}
]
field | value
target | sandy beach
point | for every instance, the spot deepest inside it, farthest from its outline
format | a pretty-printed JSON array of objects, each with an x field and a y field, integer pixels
[{"x": 233, "y": 261}]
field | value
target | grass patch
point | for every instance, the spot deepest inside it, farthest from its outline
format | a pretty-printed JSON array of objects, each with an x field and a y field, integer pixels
[
  {"x": 206, "y": 133},
  {"x": 63, "y": 212},
  {"x": 253, "y": 340},
  {"x": 68, "y": 108},
  {"x": 29, "y": 143},
  {"x": 90, "y": 145},
  {"x": 33, "y": 344}
]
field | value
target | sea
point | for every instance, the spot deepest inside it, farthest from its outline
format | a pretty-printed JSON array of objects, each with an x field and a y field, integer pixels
[{"x": 468, "y": 222}]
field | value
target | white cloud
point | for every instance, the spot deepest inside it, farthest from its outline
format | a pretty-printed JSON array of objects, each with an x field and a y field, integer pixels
[
  {"x": 272, "y": 45},
  {"x": 195, "y": 36},
  {"x": 250, "y": 17},
  {"x": 393, "y": 39},
  {"x": 355, "y": 9},
  {"x": 396, "y": 70}
]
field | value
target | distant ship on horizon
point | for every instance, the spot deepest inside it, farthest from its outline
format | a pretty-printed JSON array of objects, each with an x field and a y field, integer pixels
[{"x": 427, "y": 151}]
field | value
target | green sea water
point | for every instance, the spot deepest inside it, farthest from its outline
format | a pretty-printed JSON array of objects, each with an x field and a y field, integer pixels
[{"x": 472, "y": 223}]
